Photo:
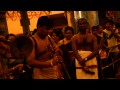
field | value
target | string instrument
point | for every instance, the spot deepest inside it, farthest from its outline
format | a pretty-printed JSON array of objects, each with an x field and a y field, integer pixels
[
  {"x": 58, "y": 52},
  {"x": 110, "y": 64}
]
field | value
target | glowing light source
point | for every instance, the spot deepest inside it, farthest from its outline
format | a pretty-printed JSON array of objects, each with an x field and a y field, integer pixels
[{"x": 14, "y": 15}]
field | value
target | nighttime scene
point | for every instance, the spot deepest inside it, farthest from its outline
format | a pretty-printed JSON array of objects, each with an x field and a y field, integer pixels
[{"x": 59, "y": 44}]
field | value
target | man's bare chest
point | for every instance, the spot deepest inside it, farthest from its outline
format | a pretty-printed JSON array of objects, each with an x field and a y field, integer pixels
[{"x": 84, "y": 40}]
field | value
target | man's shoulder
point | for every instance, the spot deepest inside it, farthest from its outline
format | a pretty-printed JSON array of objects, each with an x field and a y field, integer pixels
[
  {"x": 61, "y": 41},
  {"x": 90, "y": 35},
  {"x": 104, "y": 30},
  {"x": 75, "y": 36}
]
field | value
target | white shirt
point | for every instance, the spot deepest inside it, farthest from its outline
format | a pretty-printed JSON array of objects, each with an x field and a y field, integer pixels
[{"x": 112, "y": 41}]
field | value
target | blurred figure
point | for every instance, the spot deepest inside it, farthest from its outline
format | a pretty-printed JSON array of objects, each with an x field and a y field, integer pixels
[
  {"x": 118, "y": 20},
  {"x": 65, "y": 51},
  {"x": 14, "y": 65},
  {"x": 45, "y": 57},
  {"x": 55, "y": 36},
  {"x": 88, "y": 29},
  {"x": 117, "y": 26},
  {"x": 112, "y": 41},
  {"x": 85, "y": 48},
  {"x": 10, "y": 37},
  {"x": 102, "y": 45},
  {"x": 68, "y": 34},
  {"x": 94, "y": 30}
]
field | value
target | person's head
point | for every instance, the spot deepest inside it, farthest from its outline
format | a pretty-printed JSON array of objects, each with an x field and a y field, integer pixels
[
  {"x": 10, "y": 37},
  {"x": 88, "y": 29},
  {"x": 55, "y": 36},
  {"x": 117, "y": 26},
  {"x": 118, "y": 20},
  {"x": 94, "y": 30},
  {"x": 44, "y": 24},
  {"x": 100, "y": 28},
  {"x": 109, "y": 24},
  {"x": 82, "y": 24},
  {"x": 118, "y": 41},
  {"x": 68, "y": 32}
]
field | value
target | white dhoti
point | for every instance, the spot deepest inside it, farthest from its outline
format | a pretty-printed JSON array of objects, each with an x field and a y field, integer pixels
[
  {"x": 80, "y": 74},
  {"x": 47, "y": 73}
]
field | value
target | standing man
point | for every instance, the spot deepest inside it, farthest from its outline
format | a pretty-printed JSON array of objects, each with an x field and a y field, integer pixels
[
  {"x": 44, "y": 57},
  {"x": 85, "y": 48},
  {"x": 112, "y": 41}
]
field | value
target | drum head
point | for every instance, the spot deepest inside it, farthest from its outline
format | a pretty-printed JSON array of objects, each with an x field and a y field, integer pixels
[{"x": 21, "y": 46}]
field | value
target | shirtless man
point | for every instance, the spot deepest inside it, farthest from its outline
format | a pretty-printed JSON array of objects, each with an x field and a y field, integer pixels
[
  {"x": 44, "y": 59},
  {"x": 85, "y": 48}
]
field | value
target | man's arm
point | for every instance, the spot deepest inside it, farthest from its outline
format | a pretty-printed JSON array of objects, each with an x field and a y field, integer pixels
[
  {"x": 5, "y": 50},
  {"x": 75, "y": 50},
  {"x": 31, "y": 60},
  {"x": 113, "y": 33},
  {"x": 95, "y": 49}
]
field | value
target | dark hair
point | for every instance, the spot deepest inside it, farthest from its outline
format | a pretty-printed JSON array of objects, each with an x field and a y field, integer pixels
[
  {"x": 109, "y": 21},
  {"x": 58, "y": 32},
  {"x": 69, "y": 28},
  {"x": 45, "y": 21},
  {"x": 54, "y": 31},
  {"x": 117, "y": 25},
  {"x": 7, "y": 36},
  {"x": 94, "y": 27},
  {"x": 78, "y": 21}
]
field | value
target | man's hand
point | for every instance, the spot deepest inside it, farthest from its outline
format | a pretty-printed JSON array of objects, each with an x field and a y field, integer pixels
[
  {"x": 57, "y": 59},
  {"x": 82, "y": 62}
]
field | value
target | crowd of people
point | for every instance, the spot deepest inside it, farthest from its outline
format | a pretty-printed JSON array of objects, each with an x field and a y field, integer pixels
[{"x": 91, "y": 53}]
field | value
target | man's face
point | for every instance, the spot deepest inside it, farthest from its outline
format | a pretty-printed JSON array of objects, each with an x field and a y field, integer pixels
[
  {"x": 118, "y": 20},
  {"x": 109, "y": 26},
  {"x": 94, "y": 31},
  {"x": 68, "y": 34},
  {"x": 82, "y": 25},
  {"x": 100, "y": 29},
  {"x": 43, "y": 31},
  {"x": 55, "y": 37}
]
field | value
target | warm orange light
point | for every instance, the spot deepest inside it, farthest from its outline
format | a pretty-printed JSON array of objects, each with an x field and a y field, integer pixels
[{"x": 13, "y": 20}]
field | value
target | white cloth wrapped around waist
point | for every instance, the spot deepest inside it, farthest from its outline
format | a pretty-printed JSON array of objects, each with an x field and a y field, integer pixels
[
  {"x": 46, "y": 73},
  {"x": 84, "y": 54},
  {"x": 80, "y": 74}
]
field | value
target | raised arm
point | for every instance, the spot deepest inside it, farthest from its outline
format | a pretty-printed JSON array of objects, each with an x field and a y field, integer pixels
[{"x": 32, "y": 61}]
